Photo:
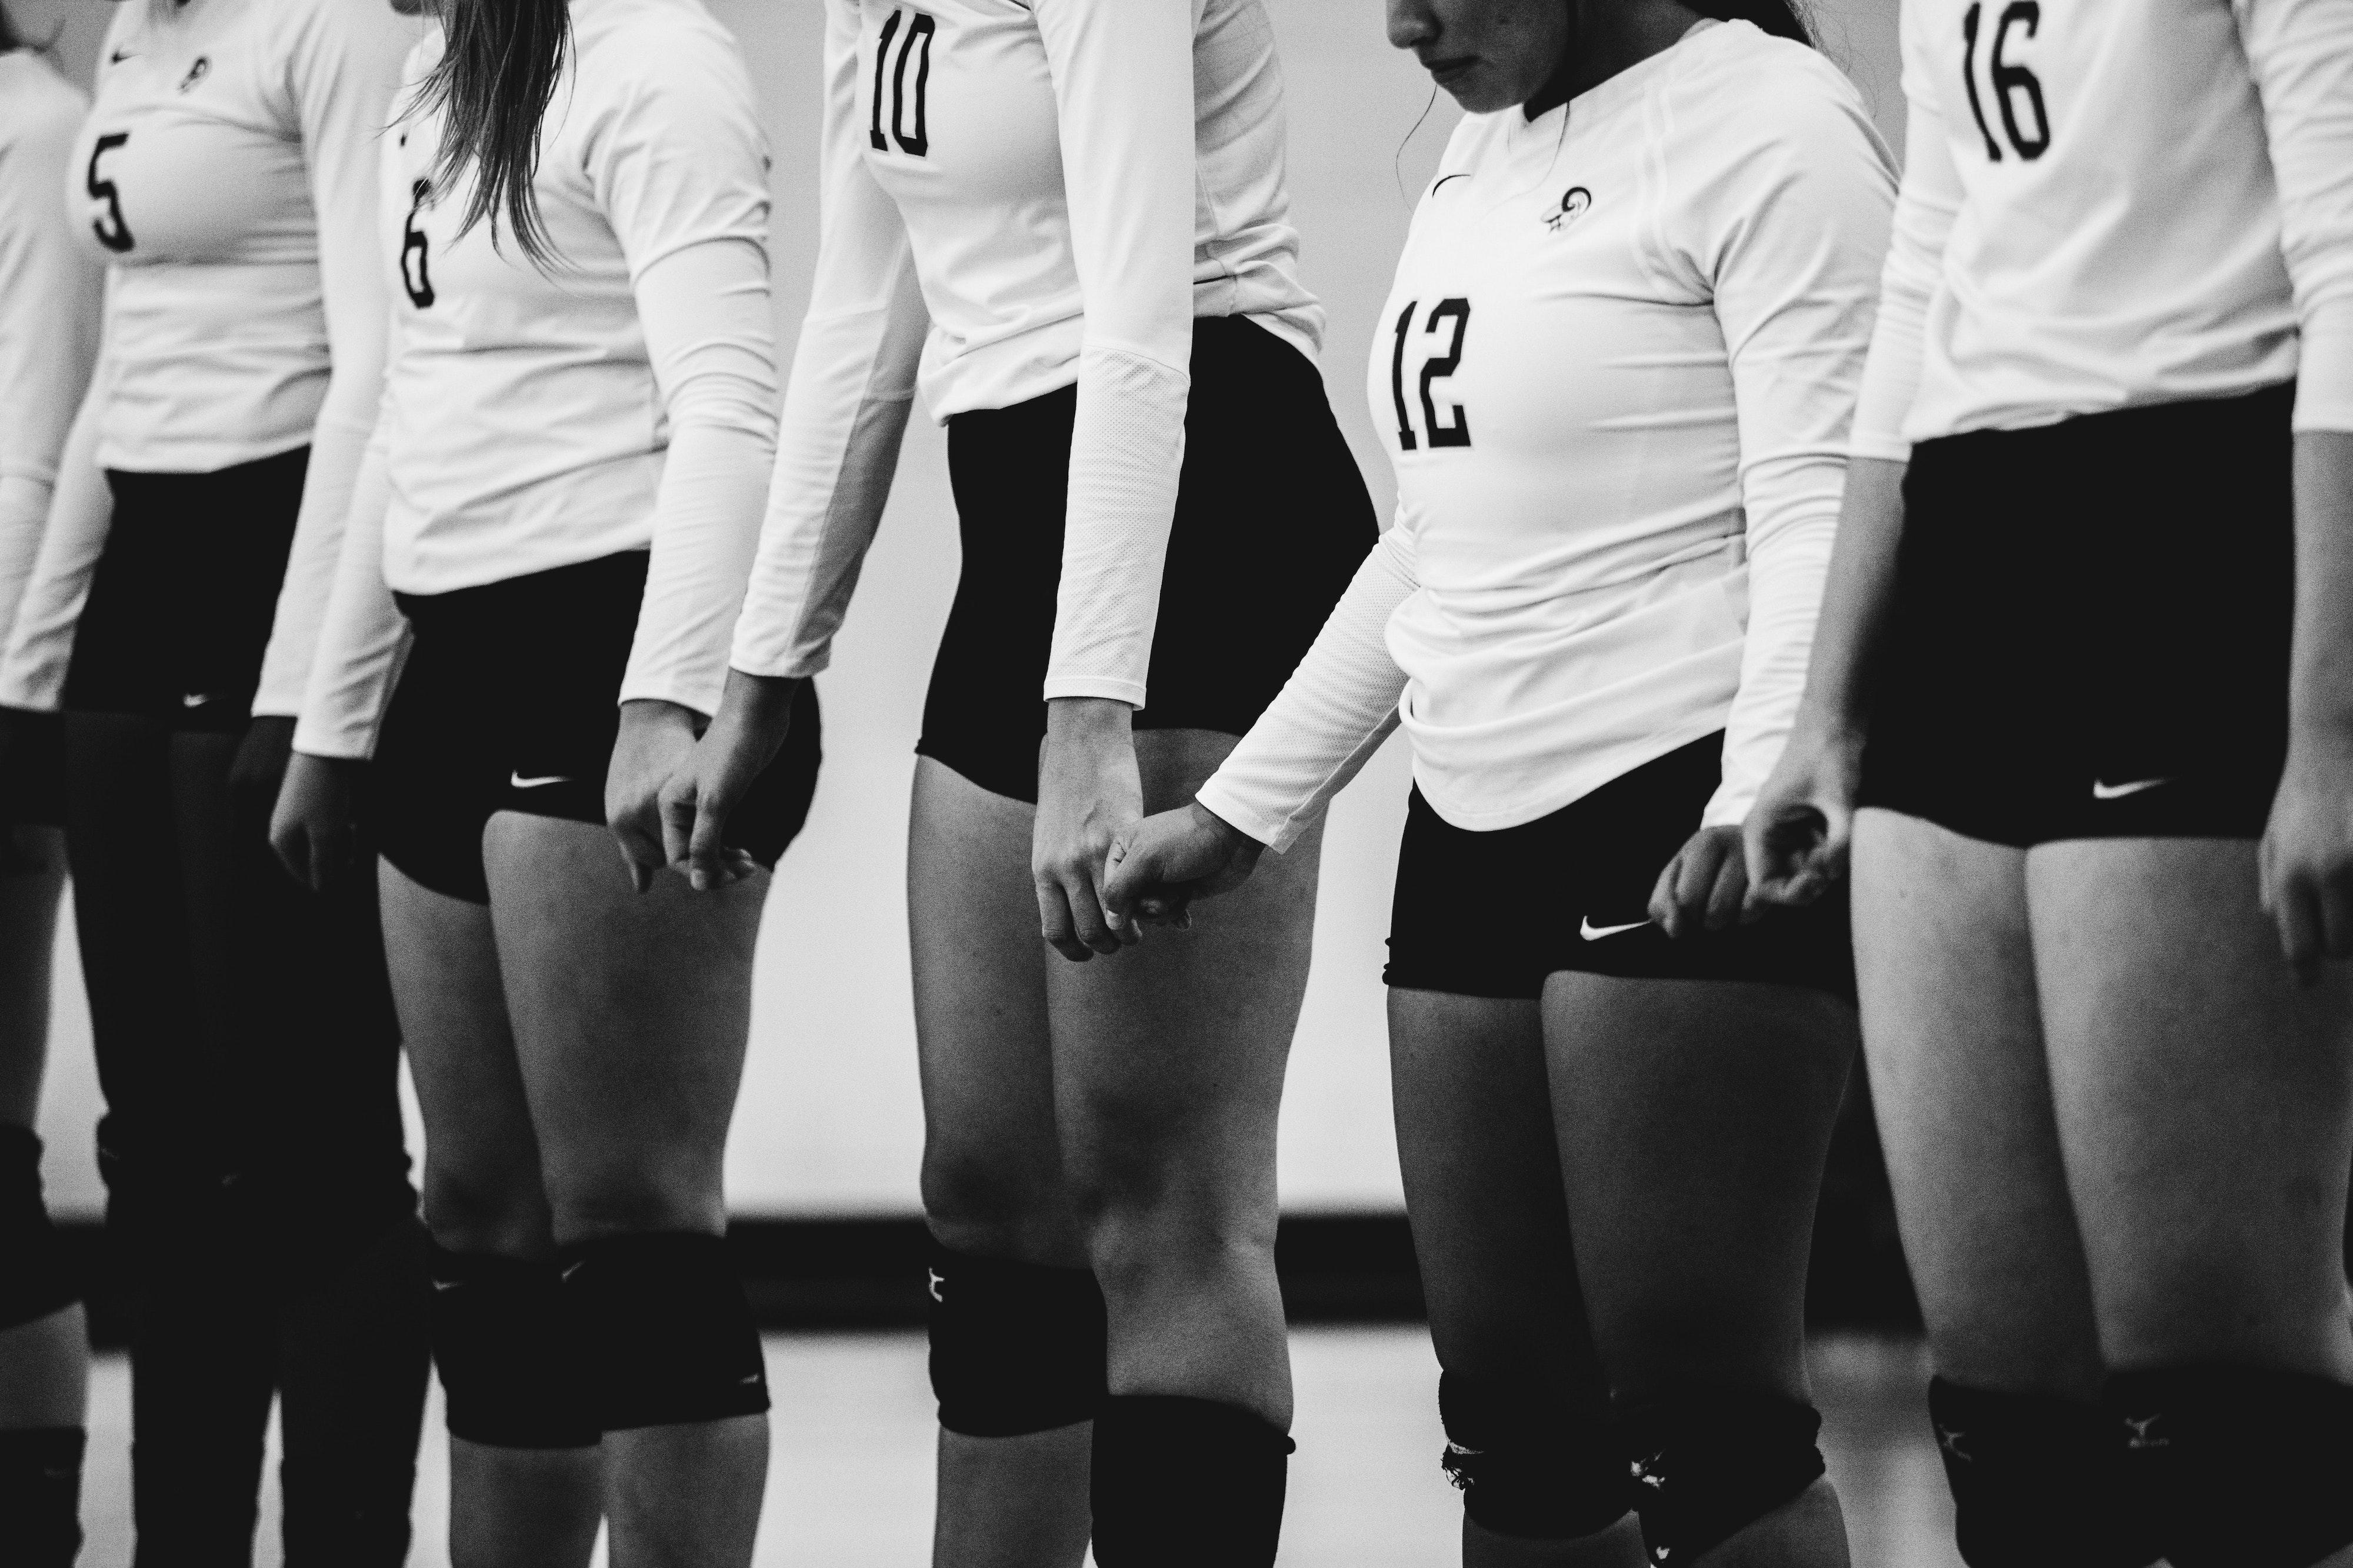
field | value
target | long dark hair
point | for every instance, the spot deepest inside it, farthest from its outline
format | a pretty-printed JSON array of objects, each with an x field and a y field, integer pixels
[
  {"x": 492, "y": 87},
  {"x": 9, "y": 37},
  {"x": 1782, "y": 18}
]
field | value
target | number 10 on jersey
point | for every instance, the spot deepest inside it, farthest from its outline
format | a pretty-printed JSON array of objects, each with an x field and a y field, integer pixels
[{"x": 914, "y": 47}]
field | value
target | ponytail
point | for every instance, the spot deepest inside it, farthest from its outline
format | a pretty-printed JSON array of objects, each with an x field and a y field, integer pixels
[
  {"x": 494, "y": 84},
  {"x": 1782, "y": 18},
  {"x": 9, "y": 37}
]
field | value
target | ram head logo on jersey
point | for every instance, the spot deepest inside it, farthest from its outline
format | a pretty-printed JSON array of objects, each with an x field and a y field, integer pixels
[{"x": 1573, "y": 203}]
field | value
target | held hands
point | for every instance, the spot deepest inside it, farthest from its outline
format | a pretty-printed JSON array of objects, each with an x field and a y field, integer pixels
[
  {"x": 1159, "y": 867},
  {"x": 2306, "y": 857},
  {"x": 311, "y": 826},
  {"x": 1796, "y": 835},
  {"x": 1089, "y": 795},
  {"x": 668, "y": 795}
]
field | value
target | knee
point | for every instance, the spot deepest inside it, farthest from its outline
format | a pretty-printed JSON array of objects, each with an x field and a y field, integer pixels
[
  {"x": 1708, "y": 1461},
  {"x": 2036, "y": 1480},
  {"x": 1528, "y": 1462},
  {"x": 485, "y": 1211},
  {"x": 1150, "y": 1199},
  {"x": 1016, "y": 1347},
  {"x": 667, "y": 1334},
  {"x": 634, "y": 1197},
  {"x": 998, "y": 1202},
  {"x": 2235, "y": 1465}
]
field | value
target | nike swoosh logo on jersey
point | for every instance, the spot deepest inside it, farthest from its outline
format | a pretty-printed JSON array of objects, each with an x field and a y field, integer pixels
[
  {"x": 1443, "y": 178},
  {"x": 1592, "y": 933},
  {"x": 516, "y": 781},
  {"x": 118, "y": 56},
  {"x": 2117, "y": 792}
]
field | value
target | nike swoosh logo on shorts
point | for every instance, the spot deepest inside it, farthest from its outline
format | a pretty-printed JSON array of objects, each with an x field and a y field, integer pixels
[
  {"x": 516, "y": 781},
  {"x": 1592, "y": 933},
  {"x": 2117, "y": 792},
  {"x": 195, "y": 699}
]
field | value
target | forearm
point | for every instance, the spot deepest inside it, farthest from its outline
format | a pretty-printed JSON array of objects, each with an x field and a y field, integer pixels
[
  {"x": 1856, "y": 598},
  {"x": 2320, "y": 680}
]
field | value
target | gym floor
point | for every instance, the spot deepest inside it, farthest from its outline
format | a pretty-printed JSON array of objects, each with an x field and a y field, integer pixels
[{"x": 849, "y": 1483}]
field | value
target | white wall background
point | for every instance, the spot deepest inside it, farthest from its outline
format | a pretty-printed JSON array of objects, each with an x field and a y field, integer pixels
[{"x": 829, "y": 1124}]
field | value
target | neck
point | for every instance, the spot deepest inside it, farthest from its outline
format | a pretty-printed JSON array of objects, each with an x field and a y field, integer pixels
[{"x": 1607, "y": 36}]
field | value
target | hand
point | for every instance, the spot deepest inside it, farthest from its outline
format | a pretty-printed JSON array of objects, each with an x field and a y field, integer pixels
[
  {"x": 312, "y": 827},
  {"x": 260, "y": 768},
  {"x": 1161, "y": 865},
  {"x": 1704, "y": 886},
  {"x": 2306, "y": 858},
  {"x": 655, "y": 741},
  {"x": 700, "y": 795},
  {"x": 1797, "y": 834},
  {"x": 1089, "y": 796}
]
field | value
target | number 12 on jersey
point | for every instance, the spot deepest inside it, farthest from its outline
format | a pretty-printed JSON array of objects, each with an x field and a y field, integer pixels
[{"x": 1455, "y": 431}]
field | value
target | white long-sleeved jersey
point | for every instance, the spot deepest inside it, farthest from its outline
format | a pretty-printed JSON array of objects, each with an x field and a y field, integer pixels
[
  {"x": 2114, "y": 202},
  {"x": 623, "y": 398},
  {"x": 1621, "y": 361},
  {"x": 1061, "y": 186},
  {"x": 49, "y": 308},
  {"x": 227, "y": 175}
]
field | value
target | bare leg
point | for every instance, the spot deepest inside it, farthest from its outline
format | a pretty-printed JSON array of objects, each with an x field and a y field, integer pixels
[
  {"x": 1953, "y": 1027},
  {"x": 631, "y": 1013},
  {"x": 508, "y": 1507},
  {"x": 992, "y": 1174},
  {"x": 2205, "y": 1102},
  {"x": 1482, "y": 1187},
  {"x": 1168, "y": 1063},
  {"x": 1693, "y": 1119}
]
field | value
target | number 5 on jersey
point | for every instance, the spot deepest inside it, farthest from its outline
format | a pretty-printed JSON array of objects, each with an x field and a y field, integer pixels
[
  {"x": 1456, "y": 430},
  {"x": 915, "y": 47}
]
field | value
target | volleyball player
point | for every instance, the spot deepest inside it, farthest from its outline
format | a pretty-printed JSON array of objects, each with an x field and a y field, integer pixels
[
  {"x": 258, "y": 1188},
  {"x": 1625, "y": 340},
  {"x": 48, "y": 336},
  {"x": 557, "y": 518},
  {"x": 2080, "y": 707},
  {"x": 1073, "y": 218}
]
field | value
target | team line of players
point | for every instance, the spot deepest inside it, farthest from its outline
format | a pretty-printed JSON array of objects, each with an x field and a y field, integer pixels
[{"x": 1815, "y": 607}]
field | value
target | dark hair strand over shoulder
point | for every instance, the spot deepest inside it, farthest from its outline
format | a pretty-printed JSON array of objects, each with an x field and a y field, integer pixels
[{"x": 493, "y": 84}]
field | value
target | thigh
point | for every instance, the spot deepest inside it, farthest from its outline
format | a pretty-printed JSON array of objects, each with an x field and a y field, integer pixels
[
  {"x": 1483, "y": 1191},
  {"x": 630, "y": 1013},
  {"x": 1952, "y": 1028},
  {"x": 1170, "y": 1057},
  {"x": 1693, "y": 1117},
  {"x": 992, "y": 1171},
  {"x": 481, "y": 1158},
  {"x": 123, "y": 853},
  {"x": 2205, "y": 1102}
]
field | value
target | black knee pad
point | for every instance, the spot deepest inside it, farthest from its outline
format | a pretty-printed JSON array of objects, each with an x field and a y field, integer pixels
[
  {"x": 509, "y": 1360},
  {"x": 666, "y": 1331},
  {"x": 1706, "y": 1465},
  {"x": 1016, "y": 1347},
  {"x": 1184, "y": 1483},
  {"x": 36, "y": 1279},
  {"x": 2037, "y": 1481},
  {"x": 1524, "y": 1465},
  {"x": 2239, "y": 1466}
]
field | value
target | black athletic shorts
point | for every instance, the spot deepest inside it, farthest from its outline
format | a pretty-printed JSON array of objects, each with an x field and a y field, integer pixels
[
  {"x": 509, "y": 701},
  {"x": 1273, "y": 519},
  {"x": 2090, "y": 632},
  {"x": 180, "y": 607},
  {"x": 33, "y": 782},
  {"x": 1492, "y": 914}
]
